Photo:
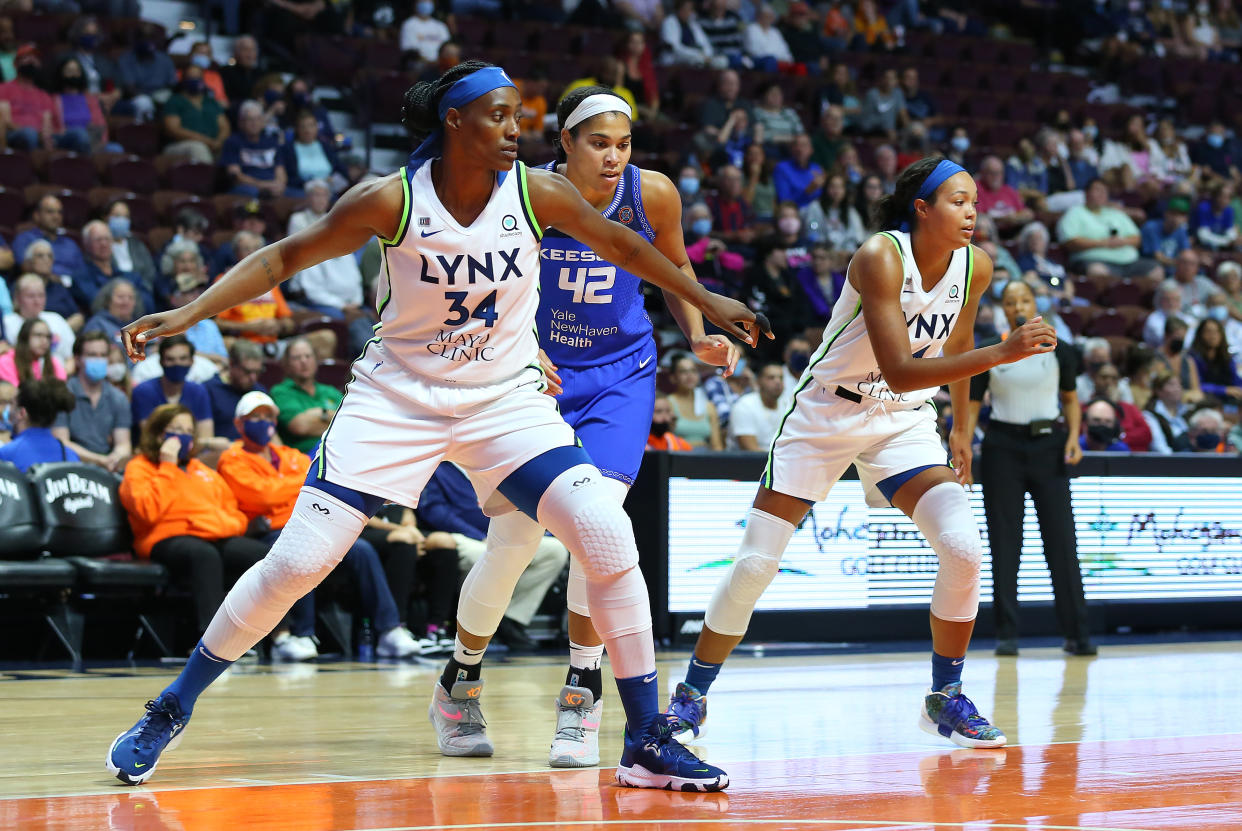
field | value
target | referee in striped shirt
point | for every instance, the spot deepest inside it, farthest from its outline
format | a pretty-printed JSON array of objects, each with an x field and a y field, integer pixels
[{"x": 1031, "y": 438}]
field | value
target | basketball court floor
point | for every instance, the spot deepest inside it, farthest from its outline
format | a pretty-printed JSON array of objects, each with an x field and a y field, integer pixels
[{"x": 1141, "y": 737}]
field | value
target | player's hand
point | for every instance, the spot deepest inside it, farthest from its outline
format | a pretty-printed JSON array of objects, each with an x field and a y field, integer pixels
[
  {"x": 135, "y": 336},
  {"x": 962, "y": 456},
  {"x": 550, "y": 375},
  {"x": 1073, "y": 451},
  {"x": 1031, "y": 338},
  {"x": 735, "y": 318},
  {"x": 717, "y": 350}
]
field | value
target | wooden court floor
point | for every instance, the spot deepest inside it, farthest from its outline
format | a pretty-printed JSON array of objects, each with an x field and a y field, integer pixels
[{"x": 1142, "y": 737}]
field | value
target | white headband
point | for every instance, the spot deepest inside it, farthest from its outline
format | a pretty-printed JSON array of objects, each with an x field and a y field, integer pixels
[{"x": 592, "y": 105}]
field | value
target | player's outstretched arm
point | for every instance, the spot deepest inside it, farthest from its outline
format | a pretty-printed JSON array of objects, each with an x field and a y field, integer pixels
[
  {"x": 662, "y": 205},
  {"x": 877, "y": 273},
  {"x": 557, "y": 203},
  {"x": 369, "y": 209}
]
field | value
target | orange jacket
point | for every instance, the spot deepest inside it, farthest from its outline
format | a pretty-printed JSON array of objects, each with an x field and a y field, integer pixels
[
  {"x": 261, "y": 488},
  {"x": 165, "y": 501},
  {"x": 669, "y": 441}
]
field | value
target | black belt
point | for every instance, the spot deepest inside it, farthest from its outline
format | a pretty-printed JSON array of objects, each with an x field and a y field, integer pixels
[
  {"x": 842, "y": 392},
  {"x": 1036, "y": 429}
]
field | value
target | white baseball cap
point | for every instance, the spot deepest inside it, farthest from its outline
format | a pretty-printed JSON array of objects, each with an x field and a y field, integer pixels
[{"x": 252, "y": 401}]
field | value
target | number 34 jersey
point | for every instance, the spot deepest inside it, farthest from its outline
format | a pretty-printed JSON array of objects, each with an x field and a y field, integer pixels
[
  {"x": 590, "y": 311},
  {"x": 457, "y": 304}
]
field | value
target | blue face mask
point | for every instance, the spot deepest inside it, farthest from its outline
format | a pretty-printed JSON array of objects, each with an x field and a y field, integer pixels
[
  {"x": 424, "y": 8},
  {"x": 689, "y": 185},
  {"x": 1220, "y": 313},
  {"x": 6, "y": 423},
  {"x": 95, "y": 369},
  {"x": 701, "y": 227},
  {"x": 119, "y": 226},
  {"x": 798, "y": 361},
  {"x": 186, "y": 439},
  {"x": 176, "y": 374},
  {"x": 1216, "y": 140},
  {"x": 998, "y": 288},
  {"x": 201, "y": 61},
  {"x": 259, "y": 430},
  {"x": 960, "y": 143},
  {"x": 1207, "y": 441},
  {"x": 1043, "y": 303}
]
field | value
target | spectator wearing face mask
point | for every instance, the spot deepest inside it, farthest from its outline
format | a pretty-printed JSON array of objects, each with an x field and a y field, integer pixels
[
  {"x": 201, "y": 57},
  {"x": 663, "y": 425},
  {"x": 145, "y": 73},
  {"x": 194, "y": 121},
  {"x": 97, "y": 428},
  {"x": 1101, "y": 428},
  {"x": 796, "y": 356},
  {"x": 1106, "y": 381},
  {"x": 184, "y": 515},
  {"x": 1208, "y": 432},
  {"x": 266, "y": 478},
  {"x": 422, "y": 33},
  {"x": 80, "y": 110},
  {"x": 35, "y": 121},
  {"x": 176, "y": 358},
  {"x": 1164, "y": 238},
  {"x": 1172, "y": 354}
]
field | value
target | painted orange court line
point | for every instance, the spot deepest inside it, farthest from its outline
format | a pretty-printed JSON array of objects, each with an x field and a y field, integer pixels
[{"x": 1122, "y": 785}]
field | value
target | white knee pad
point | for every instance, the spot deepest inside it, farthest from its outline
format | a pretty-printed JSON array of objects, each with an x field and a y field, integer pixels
[
  {"x": 944, "y": 516},
  {"x": 576, "y": 594},
  {"x": 312, "y": 543},
  {"x": 580, "y": 512},
  {"x": 512, "y": 540},
  {"x": 758, "y": 561}
]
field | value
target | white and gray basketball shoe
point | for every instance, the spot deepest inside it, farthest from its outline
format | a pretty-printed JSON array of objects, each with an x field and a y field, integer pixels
[
  {"x": 458, "y": 720},
  {"x": 576, "y": 743}
]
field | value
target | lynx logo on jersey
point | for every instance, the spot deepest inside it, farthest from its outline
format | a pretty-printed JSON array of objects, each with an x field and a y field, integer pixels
[
  {"x": 936, "y": 325},
  {"x": 465, "y": 269}
]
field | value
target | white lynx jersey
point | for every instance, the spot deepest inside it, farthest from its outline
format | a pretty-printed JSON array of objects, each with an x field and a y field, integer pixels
[
  {"x": 846, "y": 358},
  {"x": 457, "y": 304}
]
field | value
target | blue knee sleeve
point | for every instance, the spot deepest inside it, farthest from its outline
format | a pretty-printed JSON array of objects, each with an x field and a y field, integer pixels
[{"x": 524, "y": 487}]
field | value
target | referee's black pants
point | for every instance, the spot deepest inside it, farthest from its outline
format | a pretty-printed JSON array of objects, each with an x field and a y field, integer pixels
[{"x": 1012, "y": 465}]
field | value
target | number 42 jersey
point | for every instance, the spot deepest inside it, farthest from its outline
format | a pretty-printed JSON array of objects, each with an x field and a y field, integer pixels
[{"x": 590, "y": 311}]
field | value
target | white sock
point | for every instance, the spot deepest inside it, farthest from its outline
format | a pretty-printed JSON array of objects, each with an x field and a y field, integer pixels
[
  {"x": 585, "y": 657},
  {"x": 464, "y": 655}
]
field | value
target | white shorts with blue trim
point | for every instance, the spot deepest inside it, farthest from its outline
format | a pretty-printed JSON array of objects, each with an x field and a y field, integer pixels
[
  {"x": 824, "y": 434},
  {"x": 394, "y": 428}
]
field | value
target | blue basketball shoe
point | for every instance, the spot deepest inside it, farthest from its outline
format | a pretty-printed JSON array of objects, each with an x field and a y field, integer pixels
[
  {"x": 657, "y": 760},
  {"x": 688, "y": 710},
  {"x": 136, "y": 752},
  {"x": 950, "y": 714}
]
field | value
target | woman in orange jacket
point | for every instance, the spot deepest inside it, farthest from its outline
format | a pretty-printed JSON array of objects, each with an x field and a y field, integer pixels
[{"x": 183, "y": 514}]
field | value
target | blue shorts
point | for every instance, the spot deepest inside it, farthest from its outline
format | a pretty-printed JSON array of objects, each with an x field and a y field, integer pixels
[{"x": 610, "y": 408}]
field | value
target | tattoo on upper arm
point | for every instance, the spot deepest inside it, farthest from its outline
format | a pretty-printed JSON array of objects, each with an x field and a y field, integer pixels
[
  {"x": 272, "y": 279},
  {"x": 629, "y": 257}
]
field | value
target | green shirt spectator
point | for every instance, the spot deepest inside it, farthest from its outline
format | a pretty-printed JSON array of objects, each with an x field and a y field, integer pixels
[
  {"x": 306, "y": 406},
  {"x": 1096, "y": 232}
]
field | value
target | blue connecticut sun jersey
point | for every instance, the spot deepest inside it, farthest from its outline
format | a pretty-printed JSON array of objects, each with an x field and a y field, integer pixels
[{"x": 590, "y": 311}]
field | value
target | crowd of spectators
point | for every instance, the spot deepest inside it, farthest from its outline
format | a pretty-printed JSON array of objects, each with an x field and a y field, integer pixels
[{"x": 781, "y": 125}]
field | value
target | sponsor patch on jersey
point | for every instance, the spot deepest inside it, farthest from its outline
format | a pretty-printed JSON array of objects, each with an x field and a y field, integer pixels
[
  {"x": 509, "y": 222},
  {"x": 424, "y": 221},
  {"x": 626, "y": 214}
]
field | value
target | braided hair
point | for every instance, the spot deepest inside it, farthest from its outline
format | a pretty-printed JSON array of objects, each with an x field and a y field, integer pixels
[
  {"x": 566, "y": 108},
  {"x": 420, "y": 107},
  {"x": 894, "y": 208}
]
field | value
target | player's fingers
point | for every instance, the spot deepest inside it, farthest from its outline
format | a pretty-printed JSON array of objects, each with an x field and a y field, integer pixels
[
  {"x": 734, "y": 354},
  {"x": 761, "y": 320}
]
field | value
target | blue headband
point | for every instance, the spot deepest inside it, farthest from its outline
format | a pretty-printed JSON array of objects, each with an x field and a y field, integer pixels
[
  {"x": 460, "y": 94},
  {"x": 934, "y": 180}
]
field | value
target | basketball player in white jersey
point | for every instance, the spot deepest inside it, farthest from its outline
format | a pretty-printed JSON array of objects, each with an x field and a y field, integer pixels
[
  {"x": 902, "y": 327},
  {"x": 598, "y": 337},
  {"x": 451, "y": 374}
]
